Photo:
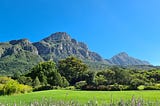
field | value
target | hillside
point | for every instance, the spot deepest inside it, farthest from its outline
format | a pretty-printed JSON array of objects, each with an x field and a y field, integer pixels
[
  {"x": 21, "y": 55},
  {"x": 18, "y": 55},
  {"x": 60, "y": 45},
  {"x": 123, "y": 59}
]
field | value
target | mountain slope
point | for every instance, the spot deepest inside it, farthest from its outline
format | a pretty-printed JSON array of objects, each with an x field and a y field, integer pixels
[
  {"x": 124, "y": 59},
  {"x": 17, "y": 55},
  {"x": 21, "y": 55},
  {"x": 60, "y": 45}
]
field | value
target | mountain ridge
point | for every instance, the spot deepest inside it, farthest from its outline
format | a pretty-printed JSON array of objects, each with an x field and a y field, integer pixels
[
  {"x": 22, "y": 54},
  {"x": 124, "y": 59},
  {"x": 61, "y": 45}
]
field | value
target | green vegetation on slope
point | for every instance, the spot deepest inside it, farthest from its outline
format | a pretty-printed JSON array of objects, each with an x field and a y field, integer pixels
[
  {"x": 72, "y": 71},
  {"x": 17, "y": 55},
  {"x": 21, "y": 62}
]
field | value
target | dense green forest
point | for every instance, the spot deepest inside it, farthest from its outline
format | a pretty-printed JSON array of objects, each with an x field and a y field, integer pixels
[{"x": 72, "y": 73}]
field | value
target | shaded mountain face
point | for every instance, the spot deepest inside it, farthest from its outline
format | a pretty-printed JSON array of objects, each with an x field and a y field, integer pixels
[
  {"x": 18, "y": 55},
  {"x": 124, "y": 59},
  {"x": 60, "y": 45}
]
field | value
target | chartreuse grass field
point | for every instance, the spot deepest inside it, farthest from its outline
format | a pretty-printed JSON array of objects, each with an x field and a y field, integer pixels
[{"x": 60, "y": 97}]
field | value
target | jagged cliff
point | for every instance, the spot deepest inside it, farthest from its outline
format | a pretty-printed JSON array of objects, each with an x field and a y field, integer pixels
[
  {"x": 21, "y": 55},
  {"x": 61, "y": 45}
]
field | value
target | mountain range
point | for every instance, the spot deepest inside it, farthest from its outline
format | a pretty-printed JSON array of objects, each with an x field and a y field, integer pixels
[
  {"x": 123, "y": 59},
  {"x": 21, "y": 55}
]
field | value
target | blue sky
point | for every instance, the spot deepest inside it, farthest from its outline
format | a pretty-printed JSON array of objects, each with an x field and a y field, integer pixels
[{"x": 106, "y": 26}]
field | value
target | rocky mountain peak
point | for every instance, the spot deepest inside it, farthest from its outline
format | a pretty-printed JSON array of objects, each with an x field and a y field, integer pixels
[
  {"x": 124, "y": 59},
  {"x": 23, "y": 54},
  {"x": 60, "y": 45},
  {"x": 122, "y": 54},
  {"x": 58, "y": 36},
  {"x": 22, "y": 44},
  {"x": 20, "y": 41}
]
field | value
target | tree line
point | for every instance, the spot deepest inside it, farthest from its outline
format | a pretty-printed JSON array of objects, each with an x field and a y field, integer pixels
[{"x": 71, "y": 73}]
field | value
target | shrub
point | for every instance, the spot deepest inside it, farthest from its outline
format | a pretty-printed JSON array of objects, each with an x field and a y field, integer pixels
[
  {"x": 25, "y": 88},
  {"x": 56, "y": 87},
  {"x": 136, "y": 82},
  {"x": 40, "y": 88},
  {"x": 36, "y": 82},
  {"x": 70, "y": 88},
  {"x": 4, "y": 80},
  {"x": 89, "y": 87},
  {"x": 114, "y": 87},
  {"x": 102, "y": 87},
  {"x": 117, "y": 87},
  {"x": 141, "y": 87},
  {"x": 80, "y": 84},
  {"x": 65, "y": 83},
  {"x": 9, "y": 86},
  {"x": 1, "y": 89},
  {"x": 158, "y": 86},
  {"x": 151, "y": 88}
]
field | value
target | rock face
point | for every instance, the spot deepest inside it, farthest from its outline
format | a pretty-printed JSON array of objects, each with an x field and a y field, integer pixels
[
  {"x": 17, "y": 47},
  {"x": 24, "y": 44},
  {"x": 18, "y": 55},
  {"x": 124, "y": 59},
  {"x": 21, "y": 55},
  {"x": 60, "y": 45}
]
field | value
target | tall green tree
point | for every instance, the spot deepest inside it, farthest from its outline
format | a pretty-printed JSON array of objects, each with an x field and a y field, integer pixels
[
  {"x": 100, "y": 80},
  {"x": 47, "y": 74},
  {"x": 121, "y": 76},
  {"x": 72, "y": 69},
  {"x": 108, "y": 75},
  {"x": 89, "y": 76},
  {"x": 36, "y": 82}
]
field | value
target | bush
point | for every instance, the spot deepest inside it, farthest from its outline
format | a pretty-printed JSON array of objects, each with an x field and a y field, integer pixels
[
  {"x": 70, "y": 88},
  {"x": 89, "y": 87},
  {"x": 157, "y": 85},
  {"x": 25, "y": 88},
  {"x": 151, "y": 88},
  {"x": 65, "y": 83},
  {"x": 41, "y": 88},
  {"x": 9, "y": 86},
  {"x": 136, "y": 82},
  {"x": 1, "y": 89},
  {"x": 117, "y": 87},
  {"x": 80, "y": 84},
  {"x": 141, "y": 87},
  {"x": 114, "y": 87},
  {"x": 56, "y": 87},
  {"x": 102, "y": 88},
  {"x": 4, "y": 80}
]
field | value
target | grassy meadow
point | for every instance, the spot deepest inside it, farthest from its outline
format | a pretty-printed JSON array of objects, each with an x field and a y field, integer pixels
[{"x": 80, "y": 97}]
